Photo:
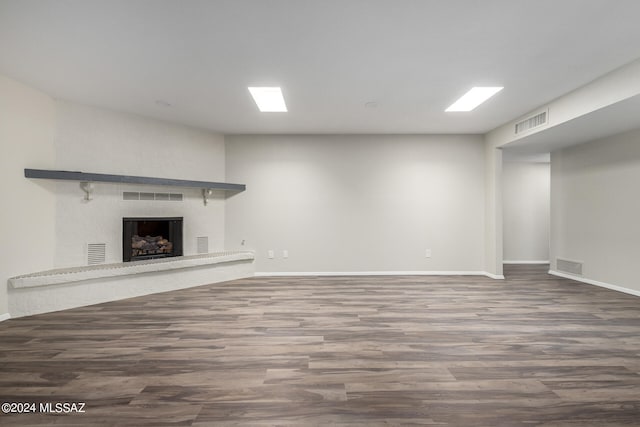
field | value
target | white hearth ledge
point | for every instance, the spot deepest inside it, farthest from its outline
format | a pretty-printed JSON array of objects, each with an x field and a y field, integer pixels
[
  {"x": 79, "y": 274},
  {"x": 66, "y": 288}
]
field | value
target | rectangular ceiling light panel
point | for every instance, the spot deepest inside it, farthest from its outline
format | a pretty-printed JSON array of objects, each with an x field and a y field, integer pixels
[
  {"x": 473, "y": 98},
  {"x": 269, "y": 99}
]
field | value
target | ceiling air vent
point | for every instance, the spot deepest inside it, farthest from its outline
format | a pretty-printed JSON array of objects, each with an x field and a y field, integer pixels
[
  {"x": 531, "y": 122},
  {"x": 96, "y": 253}
]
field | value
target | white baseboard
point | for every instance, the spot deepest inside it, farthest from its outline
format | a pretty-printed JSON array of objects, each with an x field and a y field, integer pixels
[
  {"x": 525, "y": 262},
  {"x": 596, "y": 283},
  {"x": 377, "y": 273},
  {"x": 5, "y": 316}
]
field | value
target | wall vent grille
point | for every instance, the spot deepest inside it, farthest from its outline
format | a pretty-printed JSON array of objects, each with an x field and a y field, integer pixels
[
  {"x": 96, "y": 253},
  {"x": 531, "y": 122},
  {"x": 203, "y": 244},
  {"x": 571, "y": 267},
  {"x": 134, "y": 195}
]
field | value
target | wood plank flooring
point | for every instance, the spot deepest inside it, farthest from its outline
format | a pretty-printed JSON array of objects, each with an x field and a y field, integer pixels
[{"x": 533, "y": 350}]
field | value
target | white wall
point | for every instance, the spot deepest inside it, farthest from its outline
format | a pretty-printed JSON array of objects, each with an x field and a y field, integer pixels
[
  {"x": 493, "y": 210},
  {"x": 595, "y": 208},
  {"x": 525, "y": 203},
  {"x": 97, "y": 140},
  {"x": 27, "y": 123},
  {"x": 617, "y": 86},
  {"x": 358, "y": 203}
]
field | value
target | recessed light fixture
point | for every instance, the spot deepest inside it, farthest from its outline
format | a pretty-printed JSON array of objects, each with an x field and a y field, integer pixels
[
  {"x": 473, "y": 98},
  {"x": 269, "y": 99}
]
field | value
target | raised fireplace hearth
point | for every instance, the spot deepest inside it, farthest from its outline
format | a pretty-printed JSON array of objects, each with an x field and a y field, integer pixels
[{"x": 149, "y": 238}]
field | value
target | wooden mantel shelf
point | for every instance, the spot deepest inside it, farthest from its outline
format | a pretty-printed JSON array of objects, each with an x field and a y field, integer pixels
[
  {"x": 128, "y": 179},
  {"x": 87, "y": 179}
]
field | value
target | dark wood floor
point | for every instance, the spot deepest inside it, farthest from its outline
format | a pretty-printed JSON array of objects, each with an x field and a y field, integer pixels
[{"x": 533, "y": 350}]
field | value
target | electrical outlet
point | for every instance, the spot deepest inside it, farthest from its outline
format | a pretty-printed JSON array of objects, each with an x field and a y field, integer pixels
[
  {"x": 427, "y": 253},
  {"x": 270, "y": 254},
  {"x": 285, "y": 254}
]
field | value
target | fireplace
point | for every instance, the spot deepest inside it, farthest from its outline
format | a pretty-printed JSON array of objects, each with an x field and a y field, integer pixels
[{"x": 148, "y": 238}]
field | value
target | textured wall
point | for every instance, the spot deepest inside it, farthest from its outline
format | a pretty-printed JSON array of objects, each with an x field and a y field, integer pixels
[{"x": 97, "y": 140}]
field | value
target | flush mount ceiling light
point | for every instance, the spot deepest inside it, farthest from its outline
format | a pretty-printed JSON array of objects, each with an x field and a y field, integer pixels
[
  {"x": 473, "y": 98},
  {"x": 269, "y": 99}
]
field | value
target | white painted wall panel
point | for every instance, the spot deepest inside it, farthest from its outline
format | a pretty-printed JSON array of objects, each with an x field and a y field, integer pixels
[
  {"x": 27, "y": 125},
  {"x": 358, "y": 203},
  {"x": 595, "y": 208},
  {"x": 525, "y": 203}
]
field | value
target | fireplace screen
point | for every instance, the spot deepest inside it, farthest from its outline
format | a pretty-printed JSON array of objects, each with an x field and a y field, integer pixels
[{"x": 148, "y": 238}]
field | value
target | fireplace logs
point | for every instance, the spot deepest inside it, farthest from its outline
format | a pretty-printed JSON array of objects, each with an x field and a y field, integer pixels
[
  {"x": 150, "y": 245},
  {"x": 151, "y": 237}
]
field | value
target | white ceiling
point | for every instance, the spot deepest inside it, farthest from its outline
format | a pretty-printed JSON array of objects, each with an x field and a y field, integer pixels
[{"x": 411, "y": 57}]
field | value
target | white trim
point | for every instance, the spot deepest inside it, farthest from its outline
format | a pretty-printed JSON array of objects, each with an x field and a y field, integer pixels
[
  {"x": 5, "y": 316},
  {"x": 596, "y": 283},
  {"x": 377, "y": 273},
  {"x": 494, "y": 276},
  {"x": 525, "y": 262}
]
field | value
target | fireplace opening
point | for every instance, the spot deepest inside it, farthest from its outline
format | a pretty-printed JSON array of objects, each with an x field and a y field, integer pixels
[{"x": 148, "y": 238}]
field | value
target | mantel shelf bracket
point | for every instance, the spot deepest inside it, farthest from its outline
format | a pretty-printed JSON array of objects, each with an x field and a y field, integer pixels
[
  {"x": 206, "y": 193},
  {"x": 87, "y": 187}
]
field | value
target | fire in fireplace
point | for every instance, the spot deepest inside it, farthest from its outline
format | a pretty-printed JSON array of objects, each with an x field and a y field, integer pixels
[{"x": 148, "y": 238}]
